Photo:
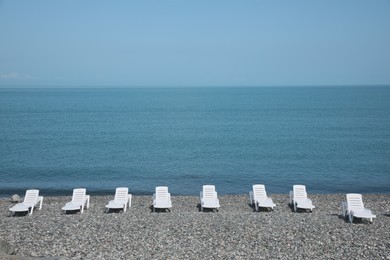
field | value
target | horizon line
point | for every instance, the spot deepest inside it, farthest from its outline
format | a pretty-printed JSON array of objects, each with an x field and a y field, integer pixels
[{"x": 37, "y": 86}]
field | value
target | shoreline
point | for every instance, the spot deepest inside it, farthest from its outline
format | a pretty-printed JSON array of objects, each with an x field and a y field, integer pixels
[
  {"x": 236, "y": 231},
  {"x": 146, "y": 194}
]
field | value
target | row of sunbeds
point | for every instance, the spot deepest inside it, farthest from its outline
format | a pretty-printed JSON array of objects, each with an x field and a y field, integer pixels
[{"x": 352, "y": 208}]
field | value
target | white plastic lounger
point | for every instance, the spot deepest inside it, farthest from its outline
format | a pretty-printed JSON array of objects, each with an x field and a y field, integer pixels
[
  {"x": 209, "y": 198},
  {"x": 162, "y": 199},
  {"x": 31, "y": 200},
  {"x": 354, "y": 208},
  {"x": 79, "y": 201},
  {"x": 122, "y": 198},
  {"x": 258, "y": 197},
  {"x": 299, "y": 199}
]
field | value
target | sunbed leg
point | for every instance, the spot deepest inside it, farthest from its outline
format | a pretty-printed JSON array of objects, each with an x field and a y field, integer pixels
[
  {"x": 40, "y": 202},
  {"x": 87, "y": 201},
  {"x": 130, "y": 200}
]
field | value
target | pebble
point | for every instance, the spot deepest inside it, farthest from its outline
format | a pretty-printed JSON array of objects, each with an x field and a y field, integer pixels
[
  {"x": 236, "y": 231},
  {"x": 15, "y": 198}
]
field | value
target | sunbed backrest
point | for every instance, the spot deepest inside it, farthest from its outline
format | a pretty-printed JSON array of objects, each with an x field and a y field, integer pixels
[
  {"x": 300, "y": 192},
  {"x": 79, "y": 195},
  {"x": 208, "y": 191},
  {"x": 259, "y": 191},
  {"x": 31, "y": 197},
  {"x": 121, "y": 194},
  {"x": 355, "y": 201},
  {"x": 162, "y": 192}
]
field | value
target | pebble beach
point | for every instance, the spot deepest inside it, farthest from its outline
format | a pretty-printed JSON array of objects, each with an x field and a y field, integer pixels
[{"x": 235, "y": 232}]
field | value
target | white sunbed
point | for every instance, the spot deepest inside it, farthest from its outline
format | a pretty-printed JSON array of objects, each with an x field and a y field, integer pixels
[
  {"x": 258, "y": 197},
  {"x": 79, "y": 201},
  {"x": 299, "y": 199},
  {"x": 121, "y": 200},
  {"x": 209, "y": 198},
  {"x": 162, "y": 199},
  {"x": 354, "y": 208},
  {"x": 31, "y": 200}
]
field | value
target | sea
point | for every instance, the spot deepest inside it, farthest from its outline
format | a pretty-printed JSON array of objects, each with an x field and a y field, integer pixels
[{"x": 331, "y": 139}]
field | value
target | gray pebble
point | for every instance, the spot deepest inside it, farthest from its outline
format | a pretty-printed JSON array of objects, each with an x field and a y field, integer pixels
[
  {"x": 235, "y": 232},
  {"x": 15, "y": 198}
]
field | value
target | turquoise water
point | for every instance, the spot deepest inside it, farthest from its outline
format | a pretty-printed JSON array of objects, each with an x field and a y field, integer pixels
[{"x": 334, "y": 139}]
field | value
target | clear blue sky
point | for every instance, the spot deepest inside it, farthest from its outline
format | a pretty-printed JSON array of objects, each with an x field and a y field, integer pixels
[{"x": 194, "y": 43}]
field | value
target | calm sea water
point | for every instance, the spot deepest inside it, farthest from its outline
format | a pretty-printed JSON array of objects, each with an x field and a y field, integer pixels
[{"x": 334, "y": 140}]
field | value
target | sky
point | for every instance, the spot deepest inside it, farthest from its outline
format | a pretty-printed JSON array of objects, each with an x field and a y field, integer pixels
[{"x": 194, "y": 43}]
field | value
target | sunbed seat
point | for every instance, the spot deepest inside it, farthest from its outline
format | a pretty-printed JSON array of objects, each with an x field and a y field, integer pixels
[
  {"x": 354, "y": 208},
  {"x": 258, "y": 197},
  {"x": 78, "y": 202},
  {"x": 121, "y": 199},
  {"x": 31, "y": 200},
  {"x": 162, "y": 199},
  {"x": 209, "y": 198}
]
